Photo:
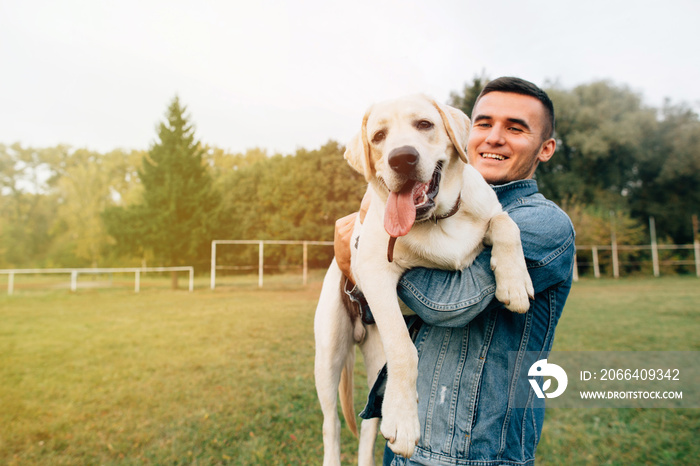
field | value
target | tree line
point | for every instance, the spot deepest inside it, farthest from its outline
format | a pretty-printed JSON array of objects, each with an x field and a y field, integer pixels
[{"x": 618, "y": 161}]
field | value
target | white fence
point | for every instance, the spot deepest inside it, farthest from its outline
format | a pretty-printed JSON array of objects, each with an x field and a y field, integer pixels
[
  {"x": 261, "y": 249},
  {"x": 614, "y": 248},
  {"x": 654, "y": 248},
  {"x": 75, "y": 272}
]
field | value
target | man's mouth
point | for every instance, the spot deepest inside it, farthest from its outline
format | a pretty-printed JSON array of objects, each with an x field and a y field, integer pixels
[
  {"x": 488, "y": 155},
  {"x": 413, "y": 203}
]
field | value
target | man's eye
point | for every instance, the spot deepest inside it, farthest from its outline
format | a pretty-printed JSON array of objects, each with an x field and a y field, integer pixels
[
  {"x": 515, "y": 129},
  {"x": 378, "y": 137},
  {"x": 424, "y": 124}
]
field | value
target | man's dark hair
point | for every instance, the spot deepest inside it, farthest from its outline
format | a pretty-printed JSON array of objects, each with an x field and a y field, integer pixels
[{"x": 520, "y": 86}]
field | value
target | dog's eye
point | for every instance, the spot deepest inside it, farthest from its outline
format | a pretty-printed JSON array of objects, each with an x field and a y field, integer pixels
[
  {"x": 378, "y": 137},
  {"x": 424, "y": 124}
]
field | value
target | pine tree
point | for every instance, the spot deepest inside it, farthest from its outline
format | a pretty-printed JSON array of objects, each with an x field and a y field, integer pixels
[{"x": 178, "y": 211}]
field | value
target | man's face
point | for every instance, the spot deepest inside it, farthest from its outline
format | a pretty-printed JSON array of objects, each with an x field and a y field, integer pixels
[{"x": 506, "y": 139}]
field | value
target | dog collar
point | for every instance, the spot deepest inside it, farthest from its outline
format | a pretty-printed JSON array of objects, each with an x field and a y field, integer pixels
[{"x": 454, "y": 210}]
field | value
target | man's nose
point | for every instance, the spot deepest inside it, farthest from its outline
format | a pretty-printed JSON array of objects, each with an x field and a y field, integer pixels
[{"x": 496, "y": 136}]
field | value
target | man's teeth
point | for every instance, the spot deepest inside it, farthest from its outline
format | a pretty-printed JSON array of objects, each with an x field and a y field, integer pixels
[{"x": 493, "y": 156}]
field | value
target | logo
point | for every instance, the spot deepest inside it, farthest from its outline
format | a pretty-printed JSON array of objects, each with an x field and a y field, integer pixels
[{"x": 544, "y": 369}]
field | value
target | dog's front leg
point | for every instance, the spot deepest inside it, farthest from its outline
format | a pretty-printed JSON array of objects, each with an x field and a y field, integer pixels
[
  {"x": 400, "y": 425},
  {"x": 513, "y": 283}
]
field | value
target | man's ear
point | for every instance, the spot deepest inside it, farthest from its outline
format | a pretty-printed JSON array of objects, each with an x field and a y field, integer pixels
[
  {"x": 547, "y": 150},
  {"x": 457, "y": 127},
  {"x": 358, "y": 152}
]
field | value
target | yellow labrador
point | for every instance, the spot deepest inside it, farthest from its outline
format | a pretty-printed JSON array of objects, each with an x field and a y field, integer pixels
[{"x": 428, "y": 208}]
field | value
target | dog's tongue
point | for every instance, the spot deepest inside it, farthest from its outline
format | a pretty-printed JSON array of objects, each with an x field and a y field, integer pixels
[{"x": 400, "y": 211}]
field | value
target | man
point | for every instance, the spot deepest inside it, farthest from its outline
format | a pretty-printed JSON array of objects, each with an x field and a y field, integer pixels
[{"x": 473, "y": 405}]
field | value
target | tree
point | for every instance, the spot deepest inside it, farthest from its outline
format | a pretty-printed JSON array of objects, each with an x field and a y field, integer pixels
[
  {"x": 27, "y": 208},
  {"x": 83, "y": 195},
  {"x": 465, "y": 101},
  {"x": 178, "y": 210},
  {"x": 669, "y": 174},
  {"x": 297, "y": 197},
  {"x": 603, "y": 131},
  {"x": 616, "y": 153}
]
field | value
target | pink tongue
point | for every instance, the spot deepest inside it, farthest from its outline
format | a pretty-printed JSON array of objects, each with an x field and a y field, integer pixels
[{"x": 400, "y": 212}]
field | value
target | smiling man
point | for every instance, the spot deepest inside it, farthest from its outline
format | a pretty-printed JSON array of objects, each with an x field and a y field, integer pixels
[
  {"x": 474, "y": 406},
  {"x": 511, "y": 133}
]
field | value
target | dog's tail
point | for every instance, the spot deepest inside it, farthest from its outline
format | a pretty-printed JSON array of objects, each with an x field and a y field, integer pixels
[{"x": 345, "y": 392}]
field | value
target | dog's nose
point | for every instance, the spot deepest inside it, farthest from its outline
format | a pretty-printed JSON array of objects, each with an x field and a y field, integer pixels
[{"x": 403, "y": 159}]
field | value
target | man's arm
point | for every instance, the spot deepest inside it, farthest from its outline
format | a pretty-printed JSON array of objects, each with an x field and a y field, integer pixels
[{"x": 454, "y": 298}]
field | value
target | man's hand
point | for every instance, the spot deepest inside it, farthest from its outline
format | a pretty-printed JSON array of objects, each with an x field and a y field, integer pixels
[{"x": 343, "y": 234}]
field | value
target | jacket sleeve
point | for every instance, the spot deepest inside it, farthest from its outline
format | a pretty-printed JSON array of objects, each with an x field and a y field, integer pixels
[{"x": 453, "y": 298}]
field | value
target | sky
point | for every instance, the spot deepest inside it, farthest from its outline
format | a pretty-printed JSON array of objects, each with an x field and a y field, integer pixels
[{"x": 283, "y": 75}]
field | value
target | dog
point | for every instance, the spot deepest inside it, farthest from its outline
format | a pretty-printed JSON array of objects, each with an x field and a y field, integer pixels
[{"x": 428, "y": 208}]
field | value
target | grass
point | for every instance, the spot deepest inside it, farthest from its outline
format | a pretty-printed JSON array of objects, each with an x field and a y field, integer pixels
[
  {"x": 643, "y": 314},
  {"x": 107, "y": 376}
]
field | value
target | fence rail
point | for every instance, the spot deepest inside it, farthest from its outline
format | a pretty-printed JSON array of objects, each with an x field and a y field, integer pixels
[
  {"x": 77, "y": 271},
  {"x": 261, "y": 252},
  {"x": 653, "y": 248},
  {"x": 613, "y": 247}
]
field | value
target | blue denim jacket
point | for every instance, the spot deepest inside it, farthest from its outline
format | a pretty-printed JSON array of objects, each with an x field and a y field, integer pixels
[{"x": 466, "y": 387}]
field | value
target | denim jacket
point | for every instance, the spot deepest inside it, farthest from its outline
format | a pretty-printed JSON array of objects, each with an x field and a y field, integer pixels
[{"x": 466, "y": 385}]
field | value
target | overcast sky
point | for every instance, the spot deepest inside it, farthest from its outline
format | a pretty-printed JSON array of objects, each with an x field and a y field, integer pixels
[{"x": 281, "y": 75}]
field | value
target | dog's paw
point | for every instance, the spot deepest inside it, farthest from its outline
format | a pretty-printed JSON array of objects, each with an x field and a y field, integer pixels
[
  {"x": 400, "y": 425},
  {"x": 513, "y": 287},
  {"x": 515, "y": 300}
]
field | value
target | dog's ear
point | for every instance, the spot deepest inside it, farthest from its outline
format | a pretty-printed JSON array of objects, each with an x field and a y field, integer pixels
[
  {"x": 457, "y": 126},
  {"x": 357, "y": 152}
]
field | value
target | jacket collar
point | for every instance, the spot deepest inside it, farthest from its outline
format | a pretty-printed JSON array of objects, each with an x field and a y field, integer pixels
[{"x": 510, "y": 192}]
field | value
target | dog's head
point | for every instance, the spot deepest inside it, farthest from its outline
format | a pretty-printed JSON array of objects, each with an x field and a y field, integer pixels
[{"x": 411, "y": 150}]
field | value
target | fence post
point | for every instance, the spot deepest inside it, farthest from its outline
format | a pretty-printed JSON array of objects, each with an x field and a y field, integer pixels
[
  {"x": 74, "y": 280},
  {"x": 575, "y": 269},
  {"x": 213, "y": 264},
  {"x": 613, "y": 238},
  {"x": 654, "y": 247},
  {"x": 260, "y": 265},
  {"x": 137, "y": 281},
  {"x": 11, "y": 283},
  {"x": 596, "y": 265},
  {"x": 305, "y": 268}
]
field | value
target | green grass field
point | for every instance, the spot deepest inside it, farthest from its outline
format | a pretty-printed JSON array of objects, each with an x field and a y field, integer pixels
[{"x": 107, "y": 376}]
